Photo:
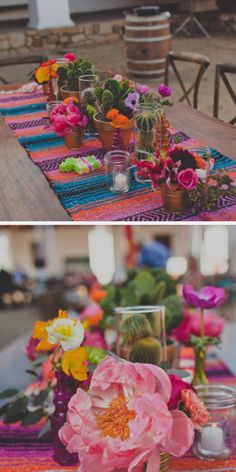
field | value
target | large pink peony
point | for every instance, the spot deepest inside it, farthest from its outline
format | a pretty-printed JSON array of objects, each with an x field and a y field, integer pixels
[{"x": 123, "y": 420}]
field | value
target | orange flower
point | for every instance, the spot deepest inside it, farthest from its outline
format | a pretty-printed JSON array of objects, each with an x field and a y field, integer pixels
[
  {"x": 69, "y": 99},
  {"x": 201, "y": 163},
  {"x": 97, "y": 295},
  {"x": 120, "y": 121},
  {"x": 112, "y": 114},
  {"x": 196, "y": 408}
]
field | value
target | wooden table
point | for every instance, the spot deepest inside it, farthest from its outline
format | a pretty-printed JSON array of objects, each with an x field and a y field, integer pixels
[{"x": 25, "y": 194}]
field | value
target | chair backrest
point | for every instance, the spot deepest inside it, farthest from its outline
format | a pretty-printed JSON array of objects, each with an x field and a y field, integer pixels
[
  {"x": 221, "y": 71},
  {"x": 20, "y": 60},
  {"x": 192, "y": 58}
]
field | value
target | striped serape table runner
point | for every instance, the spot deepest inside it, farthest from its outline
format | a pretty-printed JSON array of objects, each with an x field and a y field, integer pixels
[{"x": 86, "y": 197}]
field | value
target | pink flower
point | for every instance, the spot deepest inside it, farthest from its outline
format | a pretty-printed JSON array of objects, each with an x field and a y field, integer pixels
[
  {"x": 207, "y": 297},
  {"x": 123, "y": 420},
  {"x": 95, "y": 339},
  {"x": 187, "y": 179},
  {"x": 70, "y": 57},
  {"x": 164, "y": 91},
  {"x": 48, "y": 371},
  {"x": 118, "y": 77},
  {"x": 67, "y": 116},
  {"x": 30, "y": 349},
  {"x": 190, "y": 325},
  {"x": 132, "y": 100},
  {"x": 178, "y": 385},
  {"x": 142, "y": 89},
  {"x": 196, "y": 408}
]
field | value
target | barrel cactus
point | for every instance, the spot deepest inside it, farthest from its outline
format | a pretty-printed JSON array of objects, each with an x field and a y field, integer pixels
[
  {"x": 146, "y": 120},
  {"x": 147, "y": 350},
  {"x": 89, "y": 96},
  {"x": 107, "y": 101},
  {"x": 135, "y": 327}
]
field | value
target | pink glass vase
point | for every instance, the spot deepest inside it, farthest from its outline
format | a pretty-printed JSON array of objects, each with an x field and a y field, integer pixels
[{"x": 64, "y": 390}]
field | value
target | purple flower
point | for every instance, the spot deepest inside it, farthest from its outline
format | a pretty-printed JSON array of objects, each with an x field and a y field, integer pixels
[
  {"x": 208, "y": 297},
  {"x": 132, "y": 100},
  {"x": 164, "y": 91},
  {"x": 142, "y": 89}
]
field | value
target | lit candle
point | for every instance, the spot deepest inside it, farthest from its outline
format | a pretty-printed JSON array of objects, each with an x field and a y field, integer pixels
[
  {"x": 120, "y": 182},
  {"x": 212, "y": 439}
]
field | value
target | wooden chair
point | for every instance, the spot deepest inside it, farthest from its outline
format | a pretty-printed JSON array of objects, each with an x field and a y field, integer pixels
[
  {"x": 192, "y": 58},
  {"x": 20, "y": 60},
  {"x": 221, "y": 71}
]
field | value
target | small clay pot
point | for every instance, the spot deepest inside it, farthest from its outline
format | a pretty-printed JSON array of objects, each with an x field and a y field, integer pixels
[
  {"x": 68, "y": 93},
  {"x": 74, "y": 139},
  {"x": 106, "y": 133},
  {"x": 175, "y": 199}
]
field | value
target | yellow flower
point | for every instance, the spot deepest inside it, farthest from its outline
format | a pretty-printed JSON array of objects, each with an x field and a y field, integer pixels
[
  {"x": 73, "y": 363},
  {"x": 42, "y": 75}
]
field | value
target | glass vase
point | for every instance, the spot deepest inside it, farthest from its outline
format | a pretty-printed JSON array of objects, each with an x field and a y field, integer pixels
[
  {"x": 141, "y": 334},
  {"x": 199, "y": 370},
  {"x": 64, "y": 390},
  {"x": 146, "y": 119}
]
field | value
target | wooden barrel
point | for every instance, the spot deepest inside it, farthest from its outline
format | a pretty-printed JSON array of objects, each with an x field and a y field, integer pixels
[{"x": 148, "y": 41}]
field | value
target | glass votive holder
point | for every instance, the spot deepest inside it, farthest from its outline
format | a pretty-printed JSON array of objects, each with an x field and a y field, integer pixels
[
  {"x": 87, "y": 85},
  {"x": 141, "y": 334},
  {"x": 117, "y": 164},
  {"x": 146, "y": 118},
  {"x": 216, "y": 439},
  {"x": 51, "y": 105}
]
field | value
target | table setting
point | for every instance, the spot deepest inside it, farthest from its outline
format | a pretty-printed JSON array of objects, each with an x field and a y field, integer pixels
[
  {"x": 101, "y": 140},
  {"x": 125, "y": 388}
]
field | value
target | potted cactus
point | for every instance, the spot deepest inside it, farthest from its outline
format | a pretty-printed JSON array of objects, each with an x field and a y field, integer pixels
[{"x": 68, "y": 76}]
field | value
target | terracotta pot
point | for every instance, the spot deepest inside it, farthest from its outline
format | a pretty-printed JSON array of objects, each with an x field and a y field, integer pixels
[
  {"x": 74, "y": 139},
  {"x": 174, "y": 199},
  {"x": 106, "y": 133},
  {"x": 173, "y": 352},
  {"x": 68, "y": 93}
]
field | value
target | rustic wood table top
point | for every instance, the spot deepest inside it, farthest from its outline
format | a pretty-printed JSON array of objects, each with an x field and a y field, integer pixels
[{"x": 25, "y": 194}]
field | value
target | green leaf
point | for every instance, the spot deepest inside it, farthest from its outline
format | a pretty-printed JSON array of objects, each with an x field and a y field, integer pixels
[
  {"x": 4, "y": 409},
  {"x": 16, "y": 410},
  {"x": 11, "y": 392},
  {"x": 95, "y": 355},
  {"x": 45, "y": 429},
  {"x": 31, "y": 372},
  {"x": 180, "y": 373},
  {"x": 40, "y": 399},
  {"x": 33, "y": 417}
]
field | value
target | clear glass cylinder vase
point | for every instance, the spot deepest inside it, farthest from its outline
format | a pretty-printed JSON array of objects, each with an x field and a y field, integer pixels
[{"x": 141, "y": 334}]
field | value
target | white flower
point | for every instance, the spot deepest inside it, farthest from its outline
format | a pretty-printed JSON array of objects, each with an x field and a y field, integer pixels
[{"x": 66, "y": 332}]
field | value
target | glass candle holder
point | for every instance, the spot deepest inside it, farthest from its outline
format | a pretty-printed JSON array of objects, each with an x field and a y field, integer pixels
[
  {"x": 87, "y": 85},
  {"x": 216, "y": 440},
  {"x": 141, "y": 334},
  {"x": 51, "y": 105},
  {"x": 117, "y": 165}
]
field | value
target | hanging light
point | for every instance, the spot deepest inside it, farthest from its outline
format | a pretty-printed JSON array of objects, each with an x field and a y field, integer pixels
[
  {"x": 215, "y": 250},
  {"x": 176, "y": 266},
  {"x": 101, "y": 254}
]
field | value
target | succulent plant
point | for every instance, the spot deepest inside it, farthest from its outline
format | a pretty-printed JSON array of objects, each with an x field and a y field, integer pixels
[
  {"x": 135, "y": 327},
  {"x": 107, "y": 101},
  {"x": 147, "y": 350},
  {"x": 146, "y": 120},
  {"x": 69, "y": 74},
  {"x": 89, "y": 96}
]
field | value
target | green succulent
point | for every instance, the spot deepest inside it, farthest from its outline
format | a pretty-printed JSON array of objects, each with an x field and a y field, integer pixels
[
  {"x": 147, "y": 351},
  {"x": 135, "y": 327}
]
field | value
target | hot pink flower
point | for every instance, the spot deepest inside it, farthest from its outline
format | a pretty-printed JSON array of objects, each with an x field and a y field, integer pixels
[
  {"x": 30, "y": 349},
  {"x": 164, "y": 91},
  {"x": 187, "y": 179},
  {"x": 123, "y": 420},
  {"x": 208, "y": 297},
  {"x": 178, "y": 385},
  {"x": 66, "y": 116},
  {"x": 196, "y": 408},
  {"x": 95, "y": 339},
  {"x": 70, "y": 57},
  {"x": 190, "y": 325}
]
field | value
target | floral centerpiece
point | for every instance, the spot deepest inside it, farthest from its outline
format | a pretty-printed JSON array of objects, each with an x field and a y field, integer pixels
[
  {"x": 69, "y": 73},
  {"x": 132, "y": 417},
  {"x": 62, "y": 358},
  {"x": 44, "y": 76},
  {"x": 68, "y": 120},
  {"x": 202, "y": 328},
  {"x": 115, "y": 103}
]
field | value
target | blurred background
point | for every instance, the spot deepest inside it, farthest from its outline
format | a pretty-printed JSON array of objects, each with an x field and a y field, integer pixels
[{"x": 46, "y": 268}]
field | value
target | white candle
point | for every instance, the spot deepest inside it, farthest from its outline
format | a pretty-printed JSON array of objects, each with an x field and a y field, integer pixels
[
  {"x": 120, "y": 182},
  {"x": 212, "y": 439}
]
